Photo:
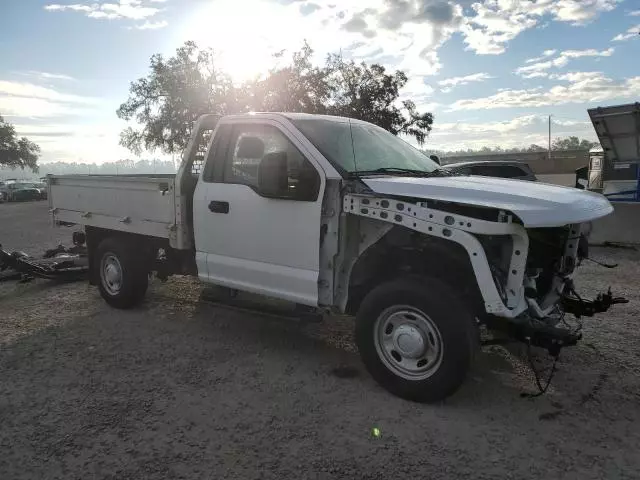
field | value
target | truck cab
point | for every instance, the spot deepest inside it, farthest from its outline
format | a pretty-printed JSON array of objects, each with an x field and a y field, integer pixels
[
  {"x": 340, "y": 215},
  {"x": 258, "y": 209}
]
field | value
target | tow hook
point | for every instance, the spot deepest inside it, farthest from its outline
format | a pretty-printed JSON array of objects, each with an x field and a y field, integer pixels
[{"x": 573, "y": 303}]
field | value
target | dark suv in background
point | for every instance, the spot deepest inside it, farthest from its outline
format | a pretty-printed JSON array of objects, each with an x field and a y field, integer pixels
[{"x": 502, "y": 169}]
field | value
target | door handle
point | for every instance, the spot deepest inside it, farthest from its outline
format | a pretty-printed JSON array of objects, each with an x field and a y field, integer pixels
[{"x": 217, "y": 206}]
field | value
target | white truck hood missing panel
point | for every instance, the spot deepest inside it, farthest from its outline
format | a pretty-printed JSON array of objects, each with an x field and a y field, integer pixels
[{"x": 536, "y": 204}]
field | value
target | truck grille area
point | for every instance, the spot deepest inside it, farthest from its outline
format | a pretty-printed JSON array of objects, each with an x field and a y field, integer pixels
[{"x": 546, "y": 249}]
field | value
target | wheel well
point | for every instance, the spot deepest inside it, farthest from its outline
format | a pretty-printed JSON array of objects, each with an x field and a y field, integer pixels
[
  {"x": 147, "y": 245},
  {"x": 402, "y": 252}
]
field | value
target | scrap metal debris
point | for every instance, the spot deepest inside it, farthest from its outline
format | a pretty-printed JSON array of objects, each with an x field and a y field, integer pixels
[{"x": 58, "y": 263}]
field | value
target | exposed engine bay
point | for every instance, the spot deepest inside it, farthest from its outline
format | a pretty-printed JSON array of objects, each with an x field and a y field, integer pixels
[
  {"x": 554, "y": 254},
  {"x": 524, "y": 275}
]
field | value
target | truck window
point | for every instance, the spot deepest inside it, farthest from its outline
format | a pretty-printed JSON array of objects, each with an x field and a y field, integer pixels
[
  {"x": 250, "y": 143},
  {"x": 214, "y": 164},
  {"x": 200, "y": 153}
]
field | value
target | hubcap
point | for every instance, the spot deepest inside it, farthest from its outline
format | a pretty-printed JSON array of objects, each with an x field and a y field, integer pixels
[
  {"x": 111, "y": 274},
  {"x": 408, "y": 342}
]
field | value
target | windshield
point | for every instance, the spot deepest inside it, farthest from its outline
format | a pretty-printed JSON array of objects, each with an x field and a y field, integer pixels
[{"x": 362, "y": 147}]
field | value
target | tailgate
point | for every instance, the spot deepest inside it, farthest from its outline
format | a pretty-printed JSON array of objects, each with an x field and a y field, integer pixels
[{"x": 140, "y": 204}]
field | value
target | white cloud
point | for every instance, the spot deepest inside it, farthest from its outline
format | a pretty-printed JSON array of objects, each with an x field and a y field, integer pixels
[
  {"x": 29, "y": 90},
  {"x": 46, "y": 75},
  {"x": 152, "y": 25},
  {"x": 427, "y": 24},
  {"x": 497, "y": 22},
  {"x": 546, "y": 53},
  {"x": 582, "y": 87},
  {"x": 38, "y": 108},
  {"x": 28, "y": 100},
  {"x": 454, "y": 81},
  {"x": 76, "y": 7},
  {"x": 579, "y": 12},
  {"x": 75, "y": 142},
  {"x": 67, "y": 126},
  {"x": 507, "y": 126},
  {"x": 635, "y": 13},
  {"x": 517, "y": 132},
  {"x": 448, "y": 84},
  {"x": 539, "y": 69},
  {"x": 632, "y": 32},
  {"x": 126, "y": 9}
]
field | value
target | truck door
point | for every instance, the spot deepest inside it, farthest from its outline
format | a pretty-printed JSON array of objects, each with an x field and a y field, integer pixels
[{"x": 262, "y": 244}]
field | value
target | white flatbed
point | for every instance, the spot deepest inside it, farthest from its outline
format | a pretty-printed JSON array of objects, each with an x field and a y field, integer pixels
[{"x": 140, "y": 204}]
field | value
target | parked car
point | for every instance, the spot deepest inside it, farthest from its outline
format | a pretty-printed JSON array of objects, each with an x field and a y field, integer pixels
[
  {"x": 3, "y": 195},
  {"x": 20, "y": 192},
  {"x": 502, "y": 169},
  {"x": 42, "y": 186},
  {"x": 342, "y": 216}
]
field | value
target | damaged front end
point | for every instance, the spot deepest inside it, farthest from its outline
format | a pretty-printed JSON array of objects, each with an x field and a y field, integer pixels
[
  {"x": 523, "y": 273},
  {"x": 549, "y": 290}
]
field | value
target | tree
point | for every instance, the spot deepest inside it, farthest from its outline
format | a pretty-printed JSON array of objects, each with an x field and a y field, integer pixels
[
  {"x": 368, "y": 92},
  {"x": 177, "y": 91},
  {"x": 17, "y": 152},
  {"x": 569, "y": 143},
  {"x": 572, "y": 143},
  {"x": 298, "y": 87},
  {"x": 535, "y": 148},
  {"x": 169, "y": 100}
]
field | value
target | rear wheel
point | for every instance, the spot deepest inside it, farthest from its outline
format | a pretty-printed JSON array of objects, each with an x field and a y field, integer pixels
[
  {"x": 123, "y": 278},
  {"x": 416, "y": 338}
]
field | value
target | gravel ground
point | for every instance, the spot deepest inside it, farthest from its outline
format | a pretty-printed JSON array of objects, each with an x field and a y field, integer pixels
[{"x": 180, "y": 388}]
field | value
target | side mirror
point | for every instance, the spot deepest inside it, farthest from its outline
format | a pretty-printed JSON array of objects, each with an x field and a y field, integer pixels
[
  {"x": 273, "y": 175},
  {"x": 435, "y": 158}
]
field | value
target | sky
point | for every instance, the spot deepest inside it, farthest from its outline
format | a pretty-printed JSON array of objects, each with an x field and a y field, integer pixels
[{"x": 490, "y": 71}]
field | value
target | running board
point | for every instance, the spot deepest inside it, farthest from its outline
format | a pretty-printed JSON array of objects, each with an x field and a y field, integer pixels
[{"x": 258, "y": 304}]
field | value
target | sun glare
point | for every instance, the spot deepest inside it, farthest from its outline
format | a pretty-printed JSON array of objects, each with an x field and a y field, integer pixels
[{"x": 244, "y": 34}]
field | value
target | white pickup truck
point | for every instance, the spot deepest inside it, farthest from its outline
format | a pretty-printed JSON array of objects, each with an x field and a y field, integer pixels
[{"x": 340, "y": 215}]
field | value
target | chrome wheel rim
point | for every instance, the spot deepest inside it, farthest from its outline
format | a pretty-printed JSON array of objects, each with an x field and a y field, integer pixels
[
  {"x": 408, "y": 342},
  {"x": 111, "y": 274}
]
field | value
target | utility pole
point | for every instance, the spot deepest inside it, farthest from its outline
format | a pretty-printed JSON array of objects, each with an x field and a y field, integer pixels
[{"x": 549, "y": 137}]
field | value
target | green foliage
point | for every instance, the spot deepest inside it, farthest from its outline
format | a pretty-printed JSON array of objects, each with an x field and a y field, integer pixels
[
  {"x": 172, "y": 97},
  {"x": 17, "y": 152},
  {"x": 298, "y": 87},
  {"x": 572, "y": 143},
  {"x": 569, "y": 143},
  {"x": 368, "y": 92},
  {"x": 166, "y": 103}
]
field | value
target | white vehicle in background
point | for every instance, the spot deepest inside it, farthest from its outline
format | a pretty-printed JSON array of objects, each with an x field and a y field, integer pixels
[{"x": 342, "y": 216}]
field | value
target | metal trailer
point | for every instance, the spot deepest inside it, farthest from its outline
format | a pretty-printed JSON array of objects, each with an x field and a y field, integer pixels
[{"x": 613, "y": 166}]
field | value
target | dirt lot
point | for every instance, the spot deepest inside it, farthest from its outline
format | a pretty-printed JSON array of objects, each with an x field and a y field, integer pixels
[{"x": 183, "y": 389}]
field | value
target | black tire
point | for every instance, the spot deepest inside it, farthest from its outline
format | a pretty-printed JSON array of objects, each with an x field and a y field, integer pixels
[
  {"x": 134, "y": 277},
  {"x": 455, "y": 331}
]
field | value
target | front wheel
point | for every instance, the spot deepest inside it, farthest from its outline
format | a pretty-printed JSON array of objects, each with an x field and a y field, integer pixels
[
  {"x": 123, "y": 278},
  {"x": 416, "y": 338}
]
